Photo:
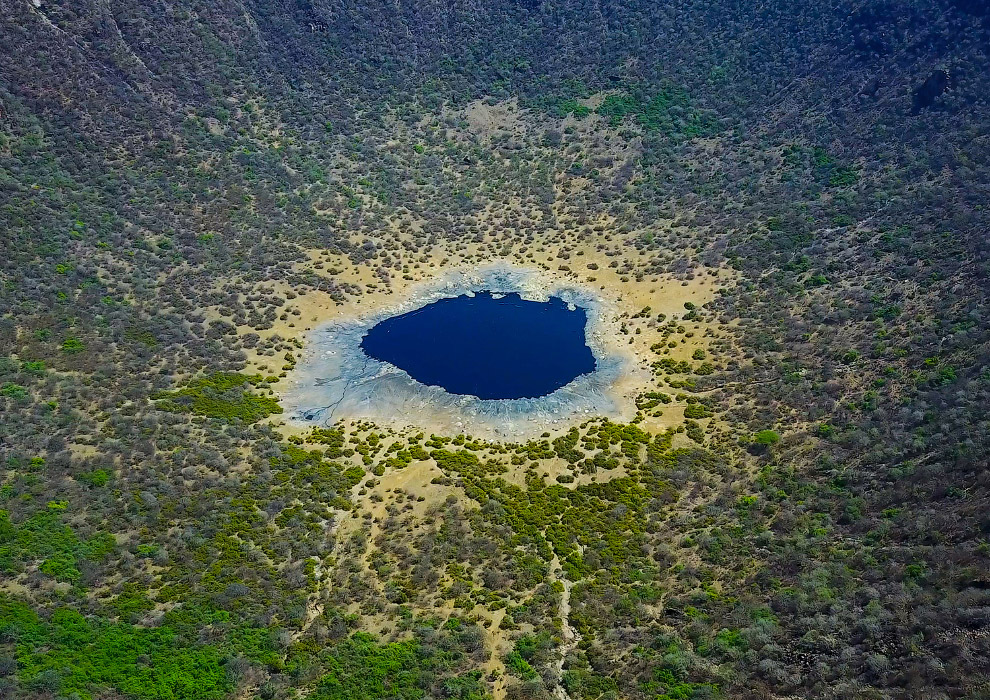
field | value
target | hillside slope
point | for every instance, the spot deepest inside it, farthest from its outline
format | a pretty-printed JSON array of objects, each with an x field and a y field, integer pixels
[{"x": 801, "y": 508}]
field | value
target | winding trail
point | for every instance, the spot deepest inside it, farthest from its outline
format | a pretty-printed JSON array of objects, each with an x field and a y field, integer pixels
[{"x": 569, "y": 636}]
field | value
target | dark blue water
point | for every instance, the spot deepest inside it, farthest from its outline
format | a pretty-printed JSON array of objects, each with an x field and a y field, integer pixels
[{"x": 506, "y": 348}]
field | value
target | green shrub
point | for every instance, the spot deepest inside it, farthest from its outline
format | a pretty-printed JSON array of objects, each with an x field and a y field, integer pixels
[
  {"x": 223, "y": 395},
  {"x": 96, "y": 478},
  {"x": 766, "y": 438},
  {"x": 35, "y": 367},
  {"x": 519, "y": 666},
  {"x": 72, "y": 345},
  {"x": 697, "y": 410},
  {"x": 843, "y": 176},
  {"x": 694, "y": 431},
  {"x": 13, "y": 391}
]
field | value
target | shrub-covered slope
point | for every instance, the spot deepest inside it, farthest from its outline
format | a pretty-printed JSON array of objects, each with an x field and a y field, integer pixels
[{"x": 816, "y": 526}]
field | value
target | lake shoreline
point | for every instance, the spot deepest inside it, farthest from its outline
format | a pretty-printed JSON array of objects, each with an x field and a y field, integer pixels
[{"x": 335, "y": 380}]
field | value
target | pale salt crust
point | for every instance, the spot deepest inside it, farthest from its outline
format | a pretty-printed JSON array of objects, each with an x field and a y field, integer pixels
[{"x": 335, "y": 380}]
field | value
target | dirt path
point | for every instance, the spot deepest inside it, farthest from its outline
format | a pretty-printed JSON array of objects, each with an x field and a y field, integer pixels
[{"x": 569, "y": 636}]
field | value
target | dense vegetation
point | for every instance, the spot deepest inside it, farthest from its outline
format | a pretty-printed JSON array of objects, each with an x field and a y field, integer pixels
[{"x": 812, "y": 522}]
